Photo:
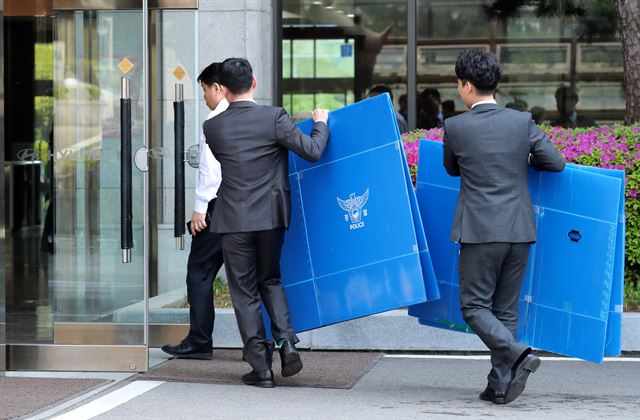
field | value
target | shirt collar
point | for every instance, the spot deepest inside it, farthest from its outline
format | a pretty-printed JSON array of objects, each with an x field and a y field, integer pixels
[
  {"x": 486, "y": 101},
  {"x": 222, "y": 106}
]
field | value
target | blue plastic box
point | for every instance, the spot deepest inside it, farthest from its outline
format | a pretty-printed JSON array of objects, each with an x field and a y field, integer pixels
[
  {"x": 356, "y": 245},
  {"x": 566, "y": 303}
]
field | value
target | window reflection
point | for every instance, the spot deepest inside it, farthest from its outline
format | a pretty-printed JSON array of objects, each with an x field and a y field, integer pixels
[
  {"x": 335, "y": 51},
  {"x": 539, "y": 56}
]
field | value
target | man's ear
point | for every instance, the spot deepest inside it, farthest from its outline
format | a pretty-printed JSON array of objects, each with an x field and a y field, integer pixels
[
  {"x": 220, "y": 88},
  {"x": 254, "y": 82},
  {"x": 469, "y": 87}
]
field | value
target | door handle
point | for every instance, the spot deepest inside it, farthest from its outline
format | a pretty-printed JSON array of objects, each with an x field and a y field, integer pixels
[
  {"x": 126, "y": 187},
  {"x": 178, "y": 127}
]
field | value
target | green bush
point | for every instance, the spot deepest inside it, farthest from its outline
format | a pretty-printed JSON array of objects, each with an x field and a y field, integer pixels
[{"x": 612, "y": 147}]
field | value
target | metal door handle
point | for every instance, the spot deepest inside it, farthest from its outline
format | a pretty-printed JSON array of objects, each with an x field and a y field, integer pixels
[
  {"x": 126, "y": 187},
  {"x": 178, "y": 127}
]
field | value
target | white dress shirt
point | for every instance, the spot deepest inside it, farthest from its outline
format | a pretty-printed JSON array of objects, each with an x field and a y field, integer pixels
[
  {"x": 486, "y": 101},
  {"x": 209, "y": 171}
]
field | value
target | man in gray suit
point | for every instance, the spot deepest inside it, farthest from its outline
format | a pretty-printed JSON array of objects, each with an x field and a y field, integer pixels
[
  {"x": 253, "y": 209},
  {"x": 490, "y": 148}
]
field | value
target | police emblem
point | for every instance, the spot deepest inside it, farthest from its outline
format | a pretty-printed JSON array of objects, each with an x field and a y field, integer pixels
[{"x": 354, "y": 206}]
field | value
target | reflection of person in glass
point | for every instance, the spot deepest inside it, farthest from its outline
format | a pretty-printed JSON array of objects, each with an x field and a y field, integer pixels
[
  {"x": 41, "y": 149},
  {"x": 205, "y": 256},
  {"x": 403, "y": 103},
  {"x": 517, "y": 104},
  {"x": 379, "y": 89},
  {"x": 448, "y": 109},
  {"x": 490, "y": 149},
  {"x": 538, "y": 114},
  {"x": 429, "y": 115},
  {"x": 568, "y": 117}
]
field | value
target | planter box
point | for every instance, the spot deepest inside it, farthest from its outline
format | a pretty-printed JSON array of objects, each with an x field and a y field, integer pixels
[{"x": 389, "y": 331}]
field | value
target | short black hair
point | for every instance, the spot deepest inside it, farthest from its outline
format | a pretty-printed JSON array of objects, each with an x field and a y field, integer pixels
[
  {"x": 237, "y": 75},
  {"x": 481, "y": 69},
  {"x": 210, "y": 74},
  {"x": 566, "y": 92},
  {"x": 518, "y": 105},
  {"x": 449, "y": 105},
  {"x": 379, "y": 89},
  {"x": 433, "y": 92}
]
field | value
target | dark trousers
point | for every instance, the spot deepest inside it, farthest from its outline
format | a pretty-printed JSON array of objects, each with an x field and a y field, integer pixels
[
  {"x": 252, "y": 261},
  {"x": 205, "y": 260},
  {"x": 491, "y": 275}
]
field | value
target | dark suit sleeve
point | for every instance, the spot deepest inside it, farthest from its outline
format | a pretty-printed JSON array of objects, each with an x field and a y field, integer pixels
[
  {"x": 544, "y": 155},
  {"x": 450, "y": 161},
  {"x": 290, "y": 136}
]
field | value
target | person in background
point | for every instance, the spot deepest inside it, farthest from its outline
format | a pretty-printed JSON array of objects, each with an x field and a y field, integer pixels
[
  {"x": 518, "y": 105},
  {"x": 379, "y": 89},
  {"x": 490, "y": 148},
  {"x": 448, "y": 109},
  {"x": 429, "y": 115},
  {"x": 538, "y": 114},
  {"x": 568, "y": 117},
  {"x": 403, "y": 103}
]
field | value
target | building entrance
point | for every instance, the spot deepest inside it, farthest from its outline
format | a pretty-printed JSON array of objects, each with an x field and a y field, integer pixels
[{"x": 90, "y": 178}]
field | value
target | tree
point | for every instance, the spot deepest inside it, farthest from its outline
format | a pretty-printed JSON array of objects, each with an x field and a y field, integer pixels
[
  {"x": 629, "y": 24},
  {"x": 594, "y": 19}
]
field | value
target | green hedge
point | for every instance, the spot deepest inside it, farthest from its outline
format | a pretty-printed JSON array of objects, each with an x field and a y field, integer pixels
[{"x": 613, "y": 147}]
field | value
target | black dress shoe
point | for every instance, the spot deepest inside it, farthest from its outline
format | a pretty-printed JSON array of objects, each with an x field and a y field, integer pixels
[
  {"x": 521, "y": 371},
  {"x": 490, "y": 395},
  {"x": 186, "y": 350},
  {"x": 290, "y": 359},
  {"x": 262, "y": 379}
]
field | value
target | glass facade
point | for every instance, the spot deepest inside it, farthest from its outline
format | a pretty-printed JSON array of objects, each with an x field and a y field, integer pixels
[
  {"x": 62, "y": 161},
  {"x": 334, "y": 51},
  {"x": 548, "y": 62}
]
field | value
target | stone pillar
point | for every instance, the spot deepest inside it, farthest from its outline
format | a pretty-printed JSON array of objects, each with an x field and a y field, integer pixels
[{"x": 238, "y": 28}]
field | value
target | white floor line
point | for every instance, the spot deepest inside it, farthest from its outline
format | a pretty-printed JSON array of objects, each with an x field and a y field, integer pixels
[
  {"x": 486, "y": 357},
  {"x": 109, "y": 401}
]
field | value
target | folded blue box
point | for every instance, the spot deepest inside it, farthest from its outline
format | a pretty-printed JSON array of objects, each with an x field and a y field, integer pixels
[
  {"x": 565, "y": 304},
  {"x": 613, "y": 343},
  {"x": 355, "y": 246}
]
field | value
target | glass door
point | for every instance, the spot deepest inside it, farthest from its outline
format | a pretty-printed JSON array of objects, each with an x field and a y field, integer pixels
[
  {"x": 95, "y": 172},
  {"x": 99, "y": 195},
  {"x": 77, "y": 281}
]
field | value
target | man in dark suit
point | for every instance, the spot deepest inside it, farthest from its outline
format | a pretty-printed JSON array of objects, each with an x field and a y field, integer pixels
[
  {"x": 253, "y": 209},
  {"x": 490, "y": 148}
]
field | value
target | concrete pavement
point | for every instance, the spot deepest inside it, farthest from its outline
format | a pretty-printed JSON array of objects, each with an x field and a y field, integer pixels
[{"x": 408, "y": 387}]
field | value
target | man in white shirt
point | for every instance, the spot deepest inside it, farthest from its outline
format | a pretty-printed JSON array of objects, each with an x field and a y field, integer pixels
[{"x": 205, "y": 257}]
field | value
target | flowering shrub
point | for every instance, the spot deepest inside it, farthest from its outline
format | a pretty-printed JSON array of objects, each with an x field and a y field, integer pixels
[
  {"x": 613, "y": 147},
  {"x": 412, "y": 146}
]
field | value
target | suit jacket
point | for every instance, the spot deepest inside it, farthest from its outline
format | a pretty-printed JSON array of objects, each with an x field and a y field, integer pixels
[
  {"x": 251, "y": 142},
  {"x": 490, "y": 147}
]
